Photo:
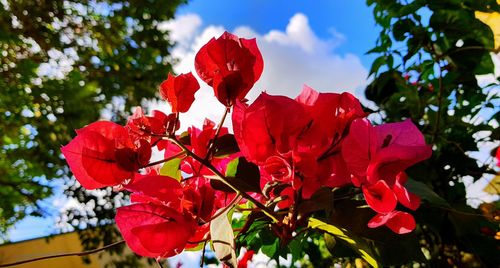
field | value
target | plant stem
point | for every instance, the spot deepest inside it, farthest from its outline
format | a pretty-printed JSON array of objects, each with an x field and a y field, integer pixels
[
  {"x": 165, "y": 160},
  {"x": 235, "y": 200},
  {"x": 217, "y": 132},
  {"x": 158, "y": 261},
  {"x": 83, "y": 253},
  {"x": 202, "y": 261}
]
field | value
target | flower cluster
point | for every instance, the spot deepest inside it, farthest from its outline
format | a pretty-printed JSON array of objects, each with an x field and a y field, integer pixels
[{"x": 295, "y": 147}]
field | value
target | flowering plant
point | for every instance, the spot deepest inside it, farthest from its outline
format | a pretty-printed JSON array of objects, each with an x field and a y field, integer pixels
[{"x": 290, "y": 166}]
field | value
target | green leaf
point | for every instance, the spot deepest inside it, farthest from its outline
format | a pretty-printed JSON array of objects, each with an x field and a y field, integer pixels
[
  {"x": 485, "y": 66},
  {"x": 296, "y": 247},
  {"x": 172, "y": 169},
  {"x": 426, "y": 193},
  {"x": 376, "y": 49},
  {"x": 242, "y": 174},
  {"x": 343, "y": 235},
  {"x": 322, "y": 199},
  {"x": 226, "y": 145},
  {"x": 271, "y": 249},
  {"x": 401, "y": 27},
  {"x": 377, "y": 63}
]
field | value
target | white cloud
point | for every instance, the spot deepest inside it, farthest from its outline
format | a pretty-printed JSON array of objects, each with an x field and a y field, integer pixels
[
  {"x": 183, "y": 29},
  {"x": 292, "y": 58}
]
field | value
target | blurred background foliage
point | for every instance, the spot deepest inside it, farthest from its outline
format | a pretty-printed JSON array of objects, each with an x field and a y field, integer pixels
[
  {"x": 63, "y": 65},
  {"x": 434, "y": 66}
]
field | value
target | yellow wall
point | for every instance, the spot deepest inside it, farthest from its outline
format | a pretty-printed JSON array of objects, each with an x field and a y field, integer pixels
[{"x": 64, "y": 243}]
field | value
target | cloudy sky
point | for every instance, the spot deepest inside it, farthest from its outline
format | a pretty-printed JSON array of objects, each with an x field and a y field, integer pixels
[{"x": 320, "y": 45}]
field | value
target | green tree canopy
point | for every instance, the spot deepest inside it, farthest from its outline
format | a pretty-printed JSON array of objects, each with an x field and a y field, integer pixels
[{"x": 61, "y": 64}]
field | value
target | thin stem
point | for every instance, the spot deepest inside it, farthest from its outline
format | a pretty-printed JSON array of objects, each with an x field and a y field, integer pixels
[
  {"x": 158, "y": 261},
  {"x": 202, "y": 261},
  {"x": 165, "y": 160},
  {"x": 235, "y": 200},
  {"x": 217, "y": 132},
  {"x": 83, "y": 253},
  {"x": 216, "y": 172}
]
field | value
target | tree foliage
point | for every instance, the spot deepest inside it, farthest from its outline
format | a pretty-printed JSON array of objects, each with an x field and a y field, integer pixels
[
  {"x": 430, "y": 54},
  {"x": 62, "y": 63}
]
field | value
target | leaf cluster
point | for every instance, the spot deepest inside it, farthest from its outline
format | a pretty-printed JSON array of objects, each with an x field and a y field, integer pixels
[{"x": 431, "y": 58}]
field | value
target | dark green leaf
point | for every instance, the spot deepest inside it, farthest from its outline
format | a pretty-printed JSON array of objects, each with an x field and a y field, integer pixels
[
  {"x": 426, "y": 193},
  {"x": 241, "y": 173}
]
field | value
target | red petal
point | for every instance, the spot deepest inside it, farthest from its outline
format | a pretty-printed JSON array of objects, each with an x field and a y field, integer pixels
[
  {"x": 243, "y": 263},
  {"x": 154, "y": 231},
  {"x": 163, "y": 188},
  {"x": 399, "y": 146},
  {"x": 358, "y": 147},
  {"x": 390, "y": 161},
  {"x": 401, "y": 223},
  {"x": 331, "y": 114},
  {"x": 270, "y": 125},
  {"x": 398, "y": 221},
  {"x": 179, "y": 91},
  {"x": 278, "y": 168},
  {"x": 289, "y": 195},
  {"x": 98, "y": 159},
  {"x": 231, "y": 65},
  {"x": 407, "y": 199},
  {"x": 402, "y": 133},
  {"x": 73, "y": 154},
  {"x": 91, "y": 155},
  {"x": 380, "y": 197}
]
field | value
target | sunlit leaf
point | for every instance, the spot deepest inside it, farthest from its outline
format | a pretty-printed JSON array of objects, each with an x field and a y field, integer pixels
[
  {"x": 172, "y": 169},
  {"x": 493, "y": 186},
  {"x": 222, "y": 238},
  {"x": 343, "y": 235}
]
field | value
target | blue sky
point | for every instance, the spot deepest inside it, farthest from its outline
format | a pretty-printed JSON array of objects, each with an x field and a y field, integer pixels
[{"x": 351, "y": 18}]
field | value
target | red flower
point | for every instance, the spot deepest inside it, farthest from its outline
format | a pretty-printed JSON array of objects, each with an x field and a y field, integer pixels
[
  {"x": 271, "y": 125},
  {"x": 243, "y": 263},
  {"x": 382, "y": 152},
  {"x": 308, "y": 130},
  {"x": 320, "y": 145},
  {"x": 380, "y": 197},
  {"x": 231, "y": 65},
  {"x": 141, "y": 126},
  {"x": 179, "y": 91},
  {"x": 331, "y": 114},
  {"x": 102, "y": 154},
  {"x": 278, "y": 169},
  {"x": 399, "y": 146},
  {"x": 152, "y": 230},
  {"x": 398, "y": 221}
]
